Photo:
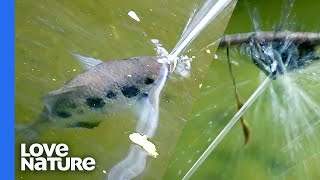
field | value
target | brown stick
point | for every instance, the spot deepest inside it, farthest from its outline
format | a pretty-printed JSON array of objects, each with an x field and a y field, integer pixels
[
  {"x": 308, "y": 38},
  {"x": 245, "y": 125}
]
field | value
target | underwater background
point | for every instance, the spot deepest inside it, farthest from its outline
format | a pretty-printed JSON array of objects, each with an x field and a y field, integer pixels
[{"x": 192, "y": 110}]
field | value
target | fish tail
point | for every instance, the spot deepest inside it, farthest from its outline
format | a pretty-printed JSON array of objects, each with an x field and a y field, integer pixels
[
  {"x": 27, "y": 134},
  {"x": 30, "y": 132}
]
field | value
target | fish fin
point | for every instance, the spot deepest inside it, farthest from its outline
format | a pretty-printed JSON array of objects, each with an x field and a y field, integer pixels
[
  {"x": 83, "y": 124},
  {"x": 30, "y": 132},
  {"x": 27, "y": 134},
  {"x": 86, "y": 62},
  {"x": 52, "y": 97},
  {"x": 66, "y": 89}
]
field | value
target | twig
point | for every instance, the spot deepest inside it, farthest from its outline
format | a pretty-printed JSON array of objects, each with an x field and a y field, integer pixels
[{"x": 307, "y": 38}]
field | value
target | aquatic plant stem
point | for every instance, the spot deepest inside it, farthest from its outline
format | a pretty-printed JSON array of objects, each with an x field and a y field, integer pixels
[{"x": 227, "y": 128}]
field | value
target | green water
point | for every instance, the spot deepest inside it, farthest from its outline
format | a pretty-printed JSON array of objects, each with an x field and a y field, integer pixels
[
  {"x": 47, "y": 30},
  {"x": 266, "y": 156},
  {"x": 45, "y": 33}
]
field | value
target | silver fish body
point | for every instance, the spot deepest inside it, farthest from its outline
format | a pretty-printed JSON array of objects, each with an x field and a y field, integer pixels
[{"x": 105, "y": 87}]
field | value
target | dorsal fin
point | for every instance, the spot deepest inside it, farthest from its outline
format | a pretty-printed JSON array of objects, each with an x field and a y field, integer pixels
[
  {"x": 52, "y": 97},
  {"x": 86, "y": 62}
]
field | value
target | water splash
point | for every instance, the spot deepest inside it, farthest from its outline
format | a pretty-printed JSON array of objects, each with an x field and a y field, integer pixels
[
  {"x": 183, "y": 67},
  {"x": 198, "y": 22},
  {"x": 290, "y": 105},
  {"x": 134, "y": 163}
]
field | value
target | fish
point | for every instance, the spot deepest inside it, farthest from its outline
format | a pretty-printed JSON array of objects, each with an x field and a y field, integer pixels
[{"x": 103, "y": 88}]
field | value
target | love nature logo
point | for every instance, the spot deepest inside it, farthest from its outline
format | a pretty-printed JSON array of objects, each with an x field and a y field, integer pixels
[{"x": 45, "y": 157}]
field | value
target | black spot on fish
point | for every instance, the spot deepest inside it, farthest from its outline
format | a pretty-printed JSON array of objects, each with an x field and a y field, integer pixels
[
  {"x": 82, "y": 124},
  {"x": 130, "y": 91},
  {"x": 148, "y": 81},
  {"x": 111, "y": 95},
  {"x": 95, "y": 102},
  {"x": 63, "y": 114}
]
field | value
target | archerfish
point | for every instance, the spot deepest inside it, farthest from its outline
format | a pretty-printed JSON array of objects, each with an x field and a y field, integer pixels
[{"x": 103, "y": 88}]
